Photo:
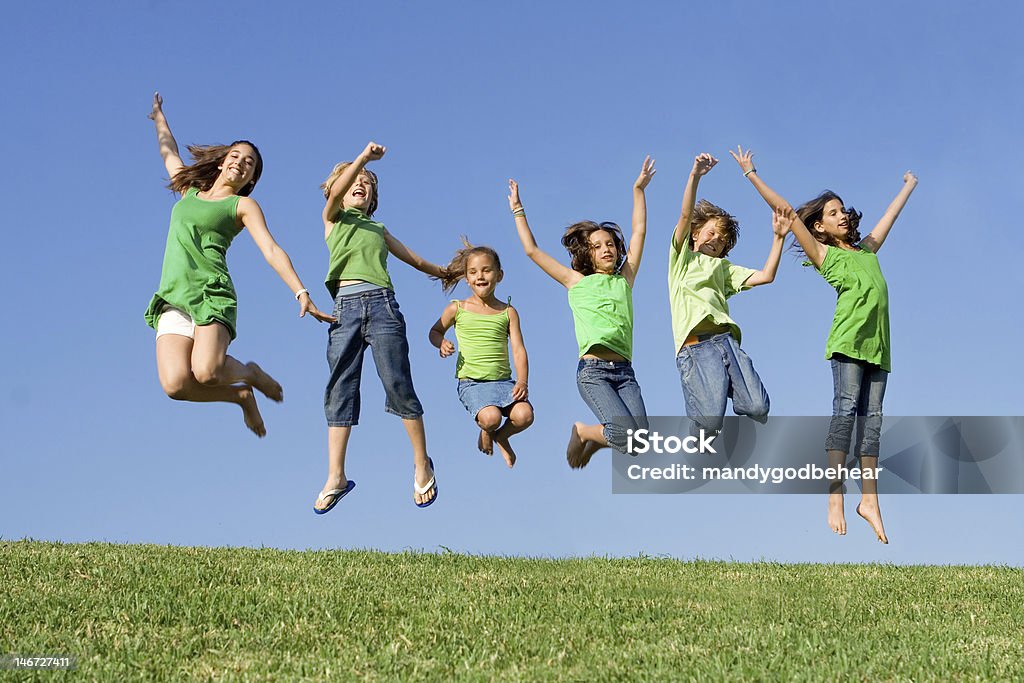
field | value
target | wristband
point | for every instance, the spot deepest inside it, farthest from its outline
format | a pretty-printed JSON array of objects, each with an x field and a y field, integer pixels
[
  {"x": 752, "y": 170},
  {"x": 300, "y": 293},
  {"x": 519, "y": 212}
]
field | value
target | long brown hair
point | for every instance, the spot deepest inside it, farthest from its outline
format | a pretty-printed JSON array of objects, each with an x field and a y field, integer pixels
[
  {"x": 576, "y": 241},
  {"x": 336, "y": 172},
  {"x": 727, "y": 223},
  {"x": 812, "y": 212},
  {"x": 205, "y": 167},
  {"x": 456, "y": 269}
]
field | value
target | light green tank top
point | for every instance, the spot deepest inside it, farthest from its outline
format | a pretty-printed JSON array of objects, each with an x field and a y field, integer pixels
[
  {"x": 195, "y": 272},
  {"x": 483, "y": 345},
  {"x": 602, "y": 310},
  {"x": 358, "y": 251}
]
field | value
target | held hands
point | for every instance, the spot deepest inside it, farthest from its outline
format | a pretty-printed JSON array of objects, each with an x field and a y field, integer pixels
[
  {"x": 447, "y": 348},
  {"x": 306, "y": 306},
  {"x": 702, "y": 164},
  {"x": 158, "y": 106},
  {"x": 520, "y": 391},
  {"x": 744, "y": 159},
  {"x": 373, "y": 152},
  {"x": 646, "y": 173},
  {"x": 782, "y": 220},
  {"x": 514, "y": 204}
]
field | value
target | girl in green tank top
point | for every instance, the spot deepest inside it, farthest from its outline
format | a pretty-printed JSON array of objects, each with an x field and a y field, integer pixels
[
  {"x": 600, "y": 290},
  {"x": 484, "y": 327},
  {"x": 194, "y": 308},
  {"x": 827, "y": 232}
]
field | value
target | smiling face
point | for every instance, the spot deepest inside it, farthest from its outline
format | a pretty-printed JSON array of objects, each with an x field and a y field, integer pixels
[
  {"x": 711, "y": 238},
  {"x": 603, "y": 252},
  {"x": 238, "y": 167},
  {"x": 835, "y": 222},
  {"x": 482, "y": 274},
  {"x": 361, "y": 194}
]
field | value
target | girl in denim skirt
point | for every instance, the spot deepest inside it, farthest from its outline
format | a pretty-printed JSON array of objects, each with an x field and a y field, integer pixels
[
  {"x": 600, "y": 284},
  {"x": 368, "y": 315},
  {"x": 484, "y": 327},
  {"x": 858, "y": 344}
]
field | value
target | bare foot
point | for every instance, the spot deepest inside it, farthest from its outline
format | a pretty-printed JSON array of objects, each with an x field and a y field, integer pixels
[
  {"x": 574, "y": 451},
  {"x": 424, "y": 475},
  {"x": 265, "y": 384},
  {"x": 251, "y": 412},
  {"x": 485, "y": 443},
  {"x": 836, "y": 515},
  {"x": 589, "y": 448},
  {"x": 506, "y": 450},
  {"x": 873, "y": 516}
]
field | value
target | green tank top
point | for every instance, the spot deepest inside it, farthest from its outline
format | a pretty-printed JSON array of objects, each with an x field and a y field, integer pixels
[
  {"x": 483, "y": 345},
  {"x": 358, "y": 251},
  {"x": 195, "y": 272},
  {"x": 602, "y": 310}
]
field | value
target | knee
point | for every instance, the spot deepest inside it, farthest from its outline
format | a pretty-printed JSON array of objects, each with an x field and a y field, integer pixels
[
  {"x": 176, "y": 386},
  {"x": 206, "y": 373},
  {"x": 489, "y": 418},
  {"x": 521, "y": 415}
]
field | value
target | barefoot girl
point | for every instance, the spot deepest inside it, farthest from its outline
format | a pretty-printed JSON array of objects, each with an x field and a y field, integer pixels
[
  {"x": 194, "y": 309},
  {"x": 600, "y": 285},
  {"x": 484, "y": 327},
  {"x": 858, "y": 344},
  {"x": 368, "y": 315}
]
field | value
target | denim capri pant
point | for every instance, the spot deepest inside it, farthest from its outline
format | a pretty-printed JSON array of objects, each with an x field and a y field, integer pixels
[
  {"x": 858, "y": 390},
  {"x": 611, "y": 390}
]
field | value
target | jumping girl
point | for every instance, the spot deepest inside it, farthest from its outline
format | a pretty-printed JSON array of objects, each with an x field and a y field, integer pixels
[
  {"x": 367, "y": 315},
  {"x": 600, "y": 284},
  {"x": 484, "y": 326},
  {"x": 858, "y": 344},
  {"x": 194, "y": 309}
]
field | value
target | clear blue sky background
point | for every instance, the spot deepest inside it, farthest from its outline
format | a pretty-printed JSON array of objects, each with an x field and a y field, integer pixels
[{"x": 567, "y": 98}]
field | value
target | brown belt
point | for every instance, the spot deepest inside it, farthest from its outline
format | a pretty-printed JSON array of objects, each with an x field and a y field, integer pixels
[{"x": 698, "y": 338}]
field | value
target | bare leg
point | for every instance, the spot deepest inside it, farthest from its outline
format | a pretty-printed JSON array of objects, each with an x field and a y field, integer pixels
[
  {"x": 519, "y": 419},
  {"x": 868, "y": 506},
  {"x": 836, "y": 514},
  {"x": 173, "y": 362},
  {"x": 337, "y": 447},
  {"x": 418, "y": 439},
  {"x": 211, "y": 364},
  {"x": 489, "y": 419},
  {"x": 584, "y": 441}
]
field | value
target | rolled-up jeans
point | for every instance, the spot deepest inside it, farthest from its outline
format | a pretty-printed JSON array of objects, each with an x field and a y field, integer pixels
[
  {"x": 611, "y": 390},
  {"x": 859, "y": 388}
]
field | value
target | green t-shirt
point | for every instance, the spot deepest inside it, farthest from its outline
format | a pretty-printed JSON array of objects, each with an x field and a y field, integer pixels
[
  {"x": 358, "y": 251},
  {"x": 483, "y": 345},
  {"x": 698, "y": 286},
  {"x": 195, "y": 272},
  {"x": 860, "y": 328},
  {"x": 602, "y": 310}
]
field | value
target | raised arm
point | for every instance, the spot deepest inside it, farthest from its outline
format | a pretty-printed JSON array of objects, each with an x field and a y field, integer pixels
[
  {"x": 407, "y": 255},
  {"x": 639, "y": 232},
  {"x": 701, "y": 165},
  {"x": 372, "y": 152},
  {"x": 781, "y": 224},
  {"x": 746, "y": 161},
  {"x": 567, "y": 276},
  {"x": 521, "y": 391},
  {"x": 441, "y": 327},
  {"x": 814, "y": 249},
  {"x": 251, "y": 215},
  {"x": 168, "y": 146},
  {"x": 877, "y": 236}
]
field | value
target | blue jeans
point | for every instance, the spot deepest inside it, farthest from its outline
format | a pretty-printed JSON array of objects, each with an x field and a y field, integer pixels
[
  {"x": 368, "y": 319},
  {"x": 714, "y": 370},
  {"x": 611, "y": 391},
  {"x": 858, "y": 390}
]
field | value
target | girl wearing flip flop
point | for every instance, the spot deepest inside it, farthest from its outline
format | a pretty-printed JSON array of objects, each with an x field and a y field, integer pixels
[
  {"x": 600, "y": 288},
  {"x": 858, "y": 344},
  {"x": 367, "y": 315},
  {"x": 194, "y": 308},
  {"x": 484, "y": 327}
]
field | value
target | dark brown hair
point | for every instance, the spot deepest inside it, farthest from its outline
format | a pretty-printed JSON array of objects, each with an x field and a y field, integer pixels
[
  {"x": 205, "y": 167},
  {"x": 336, "y": 173},
  {"x": 727, "y": 223},
  {"x": 576, "y": 241},
  {"x": 456, "y": 269},
  {"x": 812, "y": 212}
]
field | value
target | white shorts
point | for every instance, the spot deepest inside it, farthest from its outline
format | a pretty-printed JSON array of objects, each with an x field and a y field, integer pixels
[{"x": 175, "y": 321}]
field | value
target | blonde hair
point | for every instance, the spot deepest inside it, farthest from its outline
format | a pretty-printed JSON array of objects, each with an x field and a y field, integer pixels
[
  {"x": 336, "y": 173},
  {"x": 456, "y": 269}
]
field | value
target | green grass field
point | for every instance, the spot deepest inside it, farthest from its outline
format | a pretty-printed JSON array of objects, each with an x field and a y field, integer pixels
[{"x": 167, "y": 613}]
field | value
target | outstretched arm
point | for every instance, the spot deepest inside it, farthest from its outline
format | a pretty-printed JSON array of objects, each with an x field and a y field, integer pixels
[
  {"x": 781, "y": 224},
  {"x": 746, "y": 161},
  {"x": 567, "y": 276},
  {"x": 372, "y": 152},
  {"x": 701, "y": 165},
  {"x": 407, "y": 255},
  {"x": 168, "y": 146},
  {"x": 521, "y": 391},
  {"x": 439, "y": 329},
  {"x": 814, "y": 249},
  {"x": 251, "y": 215},
  {"x": 639, "y": 232},
  {"x": 874, "y": 240}
]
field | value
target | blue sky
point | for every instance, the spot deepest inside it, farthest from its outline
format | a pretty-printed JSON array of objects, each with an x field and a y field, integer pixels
[{"x": 567, "y": 99}]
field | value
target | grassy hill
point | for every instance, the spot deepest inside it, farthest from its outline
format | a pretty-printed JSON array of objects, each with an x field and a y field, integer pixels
[{"x": 168, "y": 613}]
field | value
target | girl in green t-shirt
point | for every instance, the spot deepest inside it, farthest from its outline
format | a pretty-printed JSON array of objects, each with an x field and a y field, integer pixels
[
  {"x": 484, "y": 327},
  {"x": 858, "y": 343},
  {"x": 600, "y": 288},
  {"x": 194, "y": 308}
]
